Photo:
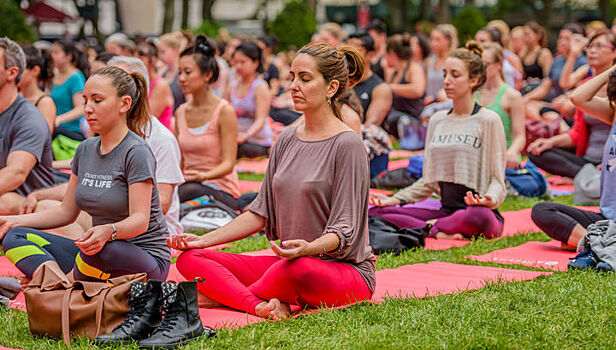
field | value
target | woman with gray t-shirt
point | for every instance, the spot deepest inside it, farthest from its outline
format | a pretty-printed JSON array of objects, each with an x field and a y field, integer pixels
[
  {"x": 113, "y": 181},
  {"x": 314, "y": 199}
]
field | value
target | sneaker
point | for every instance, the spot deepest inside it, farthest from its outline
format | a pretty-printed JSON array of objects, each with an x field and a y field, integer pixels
[
  {"x": 602, "y": 266},
  {"x": 584, "y": 260}
]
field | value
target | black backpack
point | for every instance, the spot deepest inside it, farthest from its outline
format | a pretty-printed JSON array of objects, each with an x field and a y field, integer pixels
[{"x": 386, "y": 237}]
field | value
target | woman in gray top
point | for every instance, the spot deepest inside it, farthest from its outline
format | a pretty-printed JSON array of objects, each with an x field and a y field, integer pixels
[
  {"x": 113, "y": 181},
  {"x": 314, "y": 199}
]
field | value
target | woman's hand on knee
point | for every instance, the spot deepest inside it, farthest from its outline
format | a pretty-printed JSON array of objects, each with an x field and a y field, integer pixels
[
  {"x": 6, "y": 223},
  {"x": 184, "y": 241},
  {"x": 292, "y": 249},
  {"x": 380, "y": 200},
  {"x": 539, "y": 146},
  {"x": 473, "y": 199},
  {"x": 94, "y": 239}
]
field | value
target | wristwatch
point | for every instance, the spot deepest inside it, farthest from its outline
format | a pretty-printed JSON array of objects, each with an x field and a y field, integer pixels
[{"x": 114, "y": 233}]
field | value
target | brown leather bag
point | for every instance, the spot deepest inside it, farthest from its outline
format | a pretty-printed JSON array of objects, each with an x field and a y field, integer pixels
[{"x": 59, "y": 307}]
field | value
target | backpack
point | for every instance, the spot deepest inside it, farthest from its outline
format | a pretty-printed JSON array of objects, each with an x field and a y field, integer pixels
[
  {"x": 205, "y": 214},
  {"x": 386, "y": 237},
  {"x": 397, "y": 178},
  {"x": 526, "y": 181}
]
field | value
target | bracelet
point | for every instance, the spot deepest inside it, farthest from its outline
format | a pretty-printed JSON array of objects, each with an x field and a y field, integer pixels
[
  {"x": 402, "y": 202},
  {"x": 323, "y": 251},
  {"x": 114, "y": 233}
]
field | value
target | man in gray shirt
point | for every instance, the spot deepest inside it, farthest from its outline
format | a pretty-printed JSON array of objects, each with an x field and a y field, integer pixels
[{"x": 25, "y": 140}]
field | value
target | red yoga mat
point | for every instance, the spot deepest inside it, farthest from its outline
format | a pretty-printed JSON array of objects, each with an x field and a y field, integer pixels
[
  {"x": 7, "y": 269},
  {"x": 547, "y": 255},
  {"x": 249, "y": 186},
  {"x": 519, "y": 221},
  {"x": 444, "y": 244},
  {"x": 252, "y": 166},
  {"x": 397, "y": 164},
  {"x": 438, "y": 278}
]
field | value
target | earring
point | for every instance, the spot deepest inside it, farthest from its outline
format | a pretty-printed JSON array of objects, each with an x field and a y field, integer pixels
[{"x": 329, "y": 101}]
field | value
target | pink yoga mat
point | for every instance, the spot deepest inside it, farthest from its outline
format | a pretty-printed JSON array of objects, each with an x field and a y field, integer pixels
[
  {"x": 444, "y": 244},
  {"x": 397, "y": 164},
  {"x": 547, "y": 255},
  {"x": 438, "y": 278},
  {"x": 252, "y": 166},
  {"x": 519, "y": 221},
  {"x": 418, "y": 280},
  {"x": 7, "y": 269},
  {"x": 249, "y": 186}
]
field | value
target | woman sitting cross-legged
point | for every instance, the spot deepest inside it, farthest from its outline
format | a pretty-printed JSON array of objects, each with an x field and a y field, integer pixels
[
  {"x": 464, "y": 161},
  {"x": 113, "y": 181},
  {"x": 568, "y": 224},
  {"x": 314, "y": 199},
  {"x": 206, "y": 129}
]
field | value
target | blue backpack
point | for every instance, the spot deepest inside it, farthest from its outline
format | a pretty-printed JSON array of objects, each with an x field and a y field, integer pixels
[{"x": 526, "y": 181}]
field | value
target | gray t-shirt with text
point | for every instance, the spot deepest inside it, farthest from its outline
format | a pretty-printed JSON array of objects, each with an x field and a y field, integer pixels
[{"x": 102, "y": 189}]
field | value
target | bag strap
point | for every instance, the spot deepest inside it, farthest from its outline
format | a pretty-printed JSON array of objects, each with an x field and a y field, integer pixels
[
  {"x": 99, "y": 311},
  {"x": 66, "y": 322}
]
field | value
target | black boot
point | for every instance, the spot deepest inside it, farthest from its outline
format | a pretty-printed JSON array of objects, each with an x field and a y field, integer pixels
[
  {"x": 181, "y": 322},
  {"x": 145, "y": 314}
]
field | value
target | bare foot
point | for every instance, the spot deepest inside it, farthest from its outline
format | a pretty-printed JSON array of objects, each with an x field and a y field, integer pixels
[
  {"x": 561, "y": 181},
  {"x": 568, "y": 247},
  {"x": 206, "y": 302},
  {"x": 457, "y": 236},
  {"x": 274, "y": 309}
]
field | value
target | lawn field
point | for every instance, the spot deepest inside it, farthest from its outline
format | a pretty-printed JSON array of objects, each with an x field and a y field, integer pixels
[{"x": 571, "y": 310}]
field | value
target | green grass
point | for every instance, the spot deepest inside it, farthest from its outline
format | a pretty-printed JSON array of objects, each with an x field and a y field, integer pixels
[
  {"x": 250, "y": 176},
  {"x": 572, "y": 310}
]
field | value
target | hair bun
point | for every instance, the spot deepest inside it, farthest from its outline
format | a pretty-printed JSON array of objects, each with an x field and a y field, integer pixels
[
  {"x": 474, "y": 47},
  {"x": 203, "y": 46}
]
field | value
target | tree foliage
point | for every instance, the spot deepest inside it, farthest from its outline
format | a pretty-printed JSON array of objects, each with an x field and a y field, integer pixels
[
  {"x": 13, "y": 23},
  {"x": 468, "y": 21},
  {"x": 209, "y": 28},
  {"x": 294, "y": 25}
]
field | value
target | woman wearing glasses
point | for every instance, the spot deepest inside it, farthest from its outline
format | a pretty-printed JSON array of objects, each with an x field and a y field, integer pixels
[
  {"x": 505, "y": 101},
  {"x": 588, "y": 134}
]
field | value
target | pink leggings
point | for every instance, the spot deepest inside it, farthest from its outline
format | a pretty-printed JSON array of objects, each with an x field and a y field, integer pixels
[
  {"x": 242, "y": 282},
  {"x": 470, "y": 222}
]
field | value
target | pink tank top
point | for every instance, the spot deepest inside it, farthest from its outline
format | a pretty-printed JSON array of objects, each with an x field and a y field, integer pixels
[
  {"x": 167, "y": 115},
  {"x": 204, "y": 152}
]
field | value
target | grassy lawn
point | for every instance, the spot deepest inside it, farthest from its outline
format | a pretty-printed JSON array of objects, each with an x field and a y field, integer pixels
[{"x": 564, "y": 310}]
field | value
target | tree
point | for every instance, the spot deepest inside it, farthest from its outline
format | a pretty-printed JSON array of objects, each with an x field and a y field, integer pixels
[
  {"x": 206, "y": 9},
  {"x": 444, "y": 12},
  {"x": 294, "y": 25},
  {"x": 168, "y": 16},
  {"x": 13, "y": 23},
  {"x": 468, "y": 21},
  {"x": 185, "y": 9},
  {"x": 398, "y": 15}
]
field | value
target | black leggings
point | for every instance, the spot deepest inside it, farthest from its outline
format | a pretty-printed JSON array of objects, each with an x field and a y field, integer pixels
[
  {"x": 558, "y": 161},
  {"x": 192, "y": 190},
  {"x": 252, "y": 150},
  {"x": 283, "y": 115},
  {"x": 28, "y": 248},
  {"x": 557, "y": 220}
]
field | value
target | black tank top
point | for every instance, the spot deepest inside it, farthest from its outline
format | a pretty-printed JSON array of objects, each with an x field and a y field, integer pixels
[
  {"x": 364, "y": 89},
  {"x": 533, "y": 70},
  {"x": 412, "y": 106},
  {"x": 377, "y": 69}
]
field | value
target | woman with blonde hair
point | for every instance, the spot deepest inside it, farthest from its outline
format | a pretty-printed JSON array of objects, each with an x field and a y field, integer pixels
[{"x": 443, "y": 40}]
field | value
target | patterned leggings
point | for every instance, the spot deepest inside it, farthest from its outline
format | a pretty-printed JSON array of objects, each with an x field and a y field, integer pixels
[{"x": 29, "y": 248}]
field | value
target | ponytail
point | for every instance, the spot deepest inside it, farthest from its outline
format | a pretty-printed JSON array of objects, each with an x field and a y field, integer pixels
[
  {"x": 134, "y": 86},
  {"x": 344, "y": 64}
]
